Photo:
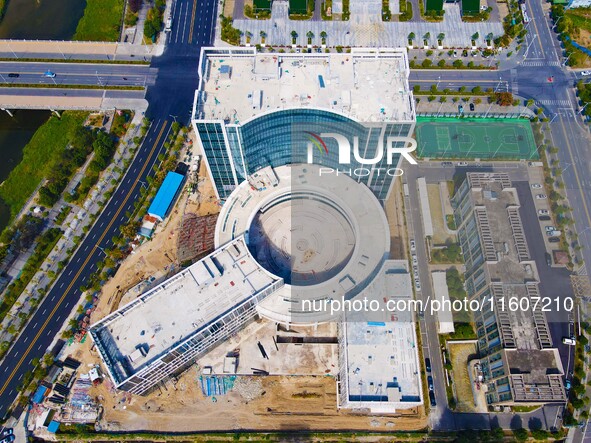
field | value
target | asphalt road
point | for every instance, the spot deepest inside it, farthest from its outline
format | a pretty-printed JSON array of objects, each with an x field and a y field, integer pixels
[
  {"x": 77, "y": 74},
  {"x": 170, "y": 97}
]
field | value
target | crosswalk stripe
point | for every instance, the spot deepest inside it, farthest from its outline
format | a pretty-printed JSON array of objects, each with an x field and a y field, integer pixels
[
  {"x": 554, "y": 102},
  {"x": 540, "y": 63}
]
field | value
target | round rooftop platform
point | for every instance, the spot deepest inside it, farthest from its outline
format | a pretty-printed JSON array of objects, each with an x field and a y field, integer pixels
[
  {"x": 325, "y": 234},
  {"x": 303, "y": 239}
]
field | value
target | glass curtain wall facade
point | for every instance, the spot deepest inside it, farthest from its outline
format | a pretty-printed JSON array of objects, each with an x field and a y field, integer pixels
[{"x": 282, "y": 137}]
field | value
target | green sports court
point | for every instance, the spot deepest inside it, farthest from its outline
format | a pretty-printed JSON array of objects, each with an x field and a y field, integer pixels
[{"x": 508, "y": 139}]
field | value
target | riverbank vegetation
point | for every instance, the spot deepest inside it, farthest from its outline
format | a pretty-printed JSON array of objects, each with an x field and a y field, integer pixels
[
  {"x": 39, "y": 158},
  {"x": 101, "y": 21},
  {"x": 3, "y": 4}
]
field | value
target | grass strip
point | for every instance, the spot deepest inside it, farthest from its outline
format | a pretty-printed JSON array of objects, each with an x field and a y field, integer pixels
[
  {"x": 39, "y": 155},
  {"x": 101, "y": 21}
]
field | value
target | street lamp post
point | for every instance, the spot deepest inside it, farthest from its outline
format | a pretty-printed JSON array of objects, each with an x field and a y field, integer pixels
[
  {"x": 583, "y": 108},
  {"x": 11, "y": 50},
  {"x": 564, "y": 63}
]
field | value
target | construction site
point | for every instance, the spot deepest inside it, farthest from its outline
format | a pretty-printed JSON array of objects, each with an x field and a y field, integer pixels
[{"x": 265, "y": 376}]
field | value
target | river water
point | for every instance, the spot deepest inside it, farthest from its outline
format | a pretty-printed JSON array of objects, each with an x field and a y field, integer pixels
[
  {"x": 41, "y": 19},
  {"x": 15, "y": 133},
  {"x": 31, "y": 19}
]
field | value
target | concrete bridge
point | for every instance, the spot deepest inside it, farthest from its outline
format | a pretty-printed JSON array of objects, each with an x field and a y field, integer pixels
[
  {"x": 77, "y": 50},
  {"x": 75, "y": 99}
]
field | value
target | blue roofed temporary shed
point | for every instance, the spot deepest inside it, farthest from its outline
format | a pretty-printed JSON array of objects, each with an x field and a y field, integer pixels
[
  {"x": 166, "y": 195},
  {"x": 53, "y": 426},
  {"x": 39, "y": 394}
]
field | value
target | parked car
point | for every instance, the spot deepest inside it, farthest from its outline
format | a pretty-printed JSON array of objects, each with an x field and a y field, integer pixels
[
  {"x": 432, "y": 398},
  {"x": 554, "y": 239},
  {"x": 428, "y": 364},
  {"x": 543, "y": 212},
  {"x": 447, "y": 164},
  {"x": 536, "y": 186},
  {"x": 7, "y": 431},
  {"x": 460, "y": 109},
  {"x": 548, "y": 259},
  {"x": 414, "y": 260},
  {"x": 569, "y": 341},
  {"x": 541, "y": 196},
  {"x": 418, "y": 284},
  {"x": 413, "y": 245},
  {"x": 585, "y": 73},
  {"x": 430, "y": 383},
  {"x": 463, "y": 164},
  {"x": 14, "y": 75},
  {"x": 8, "y": 439},
  {"x": 550, "y": 228},
  {"x": 472, "y": 107},
  {"x": 544, "y": 218}
]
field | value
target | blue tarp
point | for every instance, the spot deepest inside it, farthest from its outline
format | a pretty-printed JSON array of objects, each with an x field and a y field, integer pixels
[
  {"x": 39, "y": 394},
  {"x": 53, "y": 426},
  {"x": 579, "y": 47},
  {"x": 166, "y": 195}
]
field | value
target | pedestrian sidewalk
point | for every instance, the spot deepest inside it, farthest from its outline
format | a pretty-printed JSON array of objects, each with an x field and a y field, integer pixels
[{"x": 77, "y": 220}]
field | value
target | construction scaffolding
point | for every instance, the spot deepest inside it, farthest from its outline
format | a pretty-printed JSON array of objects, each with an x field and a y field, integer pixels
[{"x": 196, "y": 236}]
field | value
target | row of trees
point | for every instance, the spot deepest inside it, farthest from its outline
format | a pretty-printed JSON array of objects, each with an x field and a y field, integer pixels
[
  {"x": 71, "y": 159},
  {"x": 45, "y": 244},
  {"x": 153, "y": 23}
]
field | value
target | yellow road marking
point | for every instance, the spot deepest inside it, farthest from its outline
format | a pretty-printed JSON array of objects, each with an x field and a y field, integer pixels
[
  {"x": 192, "y": 21},
  {"x": 538, "y": 38},
  {"x": 20, "y": 362}
]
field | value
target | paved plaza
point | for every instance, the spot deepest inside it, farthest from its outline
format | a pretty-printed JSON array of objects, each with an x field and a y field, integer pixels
[{"x": 365, "y": 29}]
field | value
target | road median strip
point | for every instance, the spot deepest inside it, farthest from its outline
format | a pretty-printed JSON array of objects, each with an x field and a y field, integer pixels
[{"x": 50, "y": 86}]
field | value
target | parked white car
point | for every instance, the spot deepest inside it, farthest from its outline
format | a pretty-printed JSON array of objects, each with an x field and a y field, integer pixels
[{"x": 541, "y": 196}]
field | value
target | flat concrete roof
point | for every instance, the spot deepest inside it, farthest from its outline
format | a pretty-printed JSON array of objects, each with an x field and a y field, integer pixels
[
  {"x": 508, "y": 260},
  {"x": 368, "y": 85},
  {"x": 163, "y": 317},
  {"x": 381, "y": 355},
  {"x": 445, "y": 318},
  {"x": 339, "y": 238}
]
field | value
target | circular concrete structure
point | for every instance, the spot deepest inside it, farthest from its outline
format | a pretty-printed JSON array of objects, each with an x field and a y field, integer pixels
[
  {"x": 304, "y": 239},
  {"x": 324, "y": 234}
]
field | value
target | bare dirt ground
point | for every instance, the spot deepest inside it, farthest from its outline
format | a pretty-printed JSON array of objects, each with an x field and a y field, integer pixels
[
  {"x": 269, "y": 403},
  {"x": 158, "y": 256},
  {"x": 459, "y": 354},
  {"x": 276, "y": 402},
  {"x": 503, "y": 10},
  {"x": 584, "y": 39},
  {"x": 393, "y": 207},
  {"x": 229, "y": 8},
  {"x": 440, "y": 234}
]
